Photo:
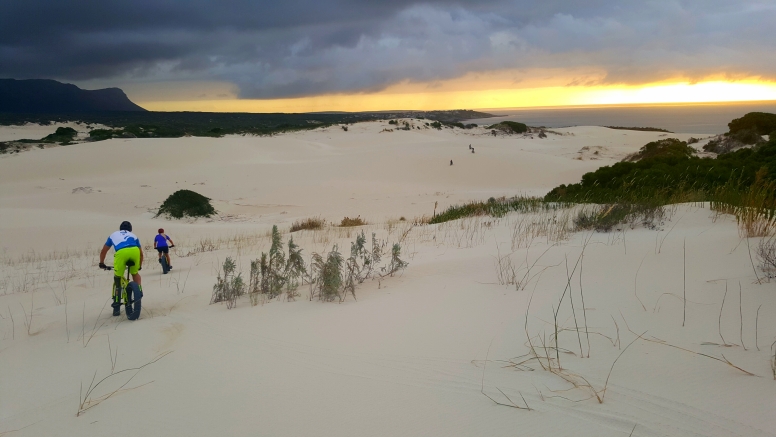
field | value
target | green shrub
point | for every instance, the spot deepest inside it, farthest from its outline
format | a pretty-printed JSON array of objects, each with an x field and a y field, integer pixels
[
  {"x": 761, "y": 122},
  {"x": 62, "y": 135},
  {"x": 672, "y": 178},
  {"x": 747, "y": 136},
  {"x": 510, "y": 127},
  {"x": 186, "y": 203},
  {"x": 666, "y": 148},
  {"x": 101, "y": 134}
]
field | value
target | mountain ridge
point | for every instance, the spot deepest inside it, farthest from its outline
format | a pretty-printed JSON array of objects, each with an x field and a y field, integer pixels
[{"x": 51, "y": 96}]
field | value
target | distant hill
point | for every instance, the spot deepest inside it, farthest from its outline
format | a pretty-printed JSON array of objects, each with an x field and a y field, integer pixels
[{"x": 52, "y": 97}]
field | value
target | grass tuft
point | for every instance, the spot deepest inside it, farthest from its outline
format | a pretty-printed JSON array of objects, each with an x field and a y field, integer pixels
[
  {"x": 308, "y": 224},
  {"x": 348, "y": 222}
]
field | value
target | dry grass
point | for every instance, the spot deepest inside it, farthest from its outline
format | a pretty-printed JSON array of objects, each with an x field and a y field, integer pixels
[
  {"x": 553, "y": 226},
  {"x": 349, "y": 222},
  {"x": 310, "y": 224}
]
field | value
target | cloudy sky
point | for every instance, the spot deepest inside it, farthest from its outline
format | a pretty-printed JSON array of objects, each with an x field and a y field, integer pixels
[{"x": 371, "y": 54}]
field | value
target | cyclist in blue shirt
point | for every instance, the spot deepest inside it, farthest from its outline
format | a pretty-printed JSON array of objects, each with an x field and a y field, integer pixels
[{"x": 160, "y": 244}]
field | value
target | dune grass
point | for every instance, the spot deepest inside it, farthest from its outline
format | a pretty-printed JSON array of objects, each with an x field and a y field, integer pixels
[
  {"x": 308, "y": 224},
  {"x": 348, "y": 222},
  {"x": 497, "y": 208}
]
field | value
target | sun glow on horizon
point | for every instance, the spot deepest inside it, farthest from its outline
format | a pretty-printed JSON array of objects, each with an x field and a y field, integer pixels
[{"x": 415, "y": 97}]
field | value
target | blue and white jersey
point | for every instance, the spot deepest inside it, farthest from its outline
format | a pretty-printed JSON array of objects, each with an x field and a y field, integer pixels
[{"x": 121, "y": 239}]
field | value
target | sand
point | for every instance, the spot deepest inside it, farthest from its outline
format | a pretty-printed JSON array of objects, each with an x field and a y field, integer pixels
[{"x": 407, "y": 358}]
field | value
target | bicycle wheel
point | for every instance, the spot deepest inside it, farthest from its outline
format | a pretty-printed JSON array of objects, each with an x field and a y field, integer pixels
[
  {"x": 163, "y": 262},
  {"x": 137, "y": 294}
]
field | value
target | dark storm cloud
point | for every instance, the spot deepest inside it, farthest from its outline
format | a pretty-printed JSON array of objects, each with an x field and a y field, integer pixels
[{"x": 304, "y": 47}]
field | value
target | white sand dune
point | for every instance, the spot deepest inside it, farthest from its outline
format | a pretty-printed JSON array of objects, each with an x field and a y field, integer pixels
[{"x": 407, "y": 358}]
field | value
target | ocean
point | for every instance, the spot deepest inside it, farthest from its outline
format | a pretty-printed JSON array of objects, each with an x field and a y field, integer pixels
[{"x": 701, "y": 118}]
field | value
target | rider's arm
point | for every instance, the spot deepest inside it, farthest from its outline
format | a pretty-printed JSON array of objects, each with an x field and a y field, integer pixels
[
  {"x": 104, "y": 252},
  {"x": 169, "y": 239}
]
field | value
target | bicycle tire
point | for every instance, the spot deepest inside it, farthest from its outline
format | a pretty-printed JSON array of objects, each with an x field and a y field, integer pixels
[
  {"x": 165, "y": 267},
  {"x": 137, "y": 296}
]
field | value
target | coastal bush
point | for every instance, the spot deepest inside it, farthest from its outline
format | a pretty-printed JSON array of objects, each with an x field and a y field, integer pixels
[
  {"x": 762, "y": 123},
  {"x": 186, "y": 203},
  {"x": 509, "y": 127},
  {"x": 742, "y": 183},
  {"x": 100, "y": 134},
  {"x": 669, "y": 147},
  {"x": 666, "y": 179},
  {"x": 63, "y": 135}
]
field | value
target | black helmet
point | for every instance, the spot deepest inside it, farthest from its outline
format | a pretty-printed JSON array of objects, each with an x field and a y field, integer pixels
[{"x": 125, "y": 226}]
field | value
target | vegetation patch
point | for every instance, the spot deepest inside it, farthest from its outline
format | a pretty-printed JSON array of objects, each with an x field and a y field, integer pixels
[
  {"x": 310, "y": 224},
  {"x": 642, "y": 129},
  {"x": 186, "y": 203},
  {"x": 496, "y": 208},
  {"x": 742, "y": 183},
  {"x": 347, "y": 222},
  {"x": 332, "y": 276},
  {"x": 509, "y": 127},
  {"x": 666, "y": 148},
  {"x": 63, "y": 135},
  {"x": 208, "y": 124},
  {"x": 762, "y": 123},
  {"x": 604, "y": 218}
]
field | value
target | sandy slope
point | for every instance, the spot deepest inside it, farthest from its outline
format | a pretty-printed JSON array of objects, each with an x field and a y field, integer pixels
[
  {"x": 76, "y": 190},
  {"x": 409, "y": 357}
]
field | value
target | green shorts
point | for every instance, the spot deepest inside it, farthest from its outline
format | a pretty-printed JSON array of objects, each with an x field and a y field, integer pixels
[{"x": 122, "y": 256}]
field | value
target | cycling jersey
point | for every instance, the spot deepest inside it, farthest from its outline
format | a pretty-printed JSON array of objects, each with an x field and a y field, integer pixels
[
  {"x": 161, "y": 240},
  {"x": 122, "y": 239}
]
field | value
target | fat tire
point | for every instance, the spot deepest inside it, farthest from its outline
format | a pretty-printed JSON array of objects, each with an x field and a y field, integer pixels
[
  {"x": 165, "y": 267},
  {"x": 137, "y": 294}
]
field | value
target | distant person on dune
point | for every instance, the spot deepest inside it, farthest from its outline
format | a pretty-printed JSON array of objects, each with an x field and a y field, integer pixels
[
  {"x": 160, "y": 244},
  {"x": 451, "y": 162}
]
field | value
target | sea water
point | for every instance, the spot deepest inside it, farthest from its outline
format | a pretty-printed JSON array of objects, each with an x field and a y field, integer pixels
[{"x": 702, "y": 118}]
